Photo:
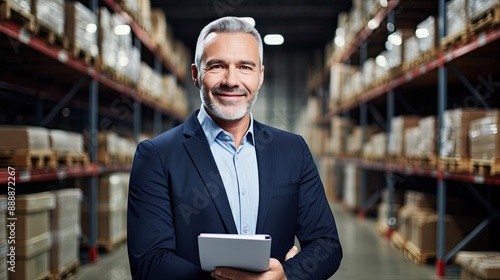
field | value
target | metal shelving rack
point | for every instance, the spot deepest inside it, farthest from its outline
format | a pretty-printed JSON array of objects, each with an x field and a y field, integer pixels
[
  {"x": 436, "y": 67},
  {"x": 97, "y": 82}
]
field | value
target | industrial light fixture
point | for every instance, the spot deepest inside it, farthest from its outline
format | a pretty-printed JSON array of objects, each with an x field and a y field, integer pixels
[
  {"x": 274, "y": 39},
  {"x": 373, "y": 24},
  {"x": 122, "y": 29},
  {"x": 422, "y": 33},
  {"x": 381, "y": 61},
  {"x": 91, "y": 28},
  {"x": 395, "y": 39},
  {"x": 249, "y": 20},
  {"x": 339, "y": 41}
]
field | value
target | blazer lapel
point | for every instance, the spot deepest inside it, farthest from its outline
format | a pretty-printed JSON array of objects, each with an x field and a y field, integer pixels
[
  {"x": 197, "y": 147},
  {"x": 265, "y": 160}
]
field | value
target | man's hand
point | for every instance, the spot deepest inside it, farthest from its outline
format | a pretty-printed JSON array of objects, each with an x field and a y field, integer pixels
[{"x": 275, "y": 271}]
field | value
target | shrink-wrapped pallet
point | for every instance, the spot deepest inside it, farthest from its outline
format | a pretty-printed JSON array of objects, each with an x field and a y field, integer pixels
[
  {"x": 24, "y": 138},
  {"x": 477, "y": 8},
  {"x": 484, "y": 137},
  {"x": 456, "y": 17},
  {"x": 397, "y": 134},
  {"x": 50, "y": 14},
  {"x": 427, "y": 34},
  {"x": 63, "y": 141},
  {"x": 80, "y": 28},
  {"x": 456, "y": 131},
  {"x": 410, "y": 49},
  {"x": 411, "y": 141},
  {"x": 427, "y": 145},
  {"x": 340, "y": 75}
]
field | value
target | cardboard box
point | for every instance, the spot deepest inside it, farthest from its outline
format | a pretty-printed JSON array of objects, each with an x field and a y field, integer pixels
[
  {"x": 66, "y": 246},
  {"x": 24, "y": 138},
  {"x": 50, "y": 14},
  {"x": 424, "y": 232},
  {"x": 33, "y": 268},
  {"x": 427, "y": 145},
  {"x": 111, "y": 224},
  {"x": 397, "y": 135},
  {"x": 27, "y": 248},
  {"x": 484, "y": 137},
  {"x": 78, "y": 19},
  {"x": 476, "y": 8},
  {"x": 430, "y": 42},
  {"x": 456, "y": 17},
  {"x": 456, "y": 131},
  {"x": 412, "y": 139},
  {"x": 481, "y": 268},
  {"x": 33, "y": 215},
  {"x": 67, "y": 210}
]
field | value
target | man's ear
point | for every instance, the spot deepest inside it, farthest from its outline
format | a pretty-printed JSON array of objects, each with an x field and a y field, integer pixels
[{"x": 194, "y": 75}]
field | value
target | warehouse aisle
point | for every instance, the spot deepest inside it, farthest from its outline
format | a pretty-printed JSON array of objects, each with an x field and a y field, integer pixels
[{"x": 367, "y": 256}]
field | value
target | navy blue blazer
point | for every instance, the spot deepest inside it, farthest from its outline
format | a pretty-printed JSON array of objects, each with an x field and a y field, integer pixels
[{"x": 176, "y": 193}]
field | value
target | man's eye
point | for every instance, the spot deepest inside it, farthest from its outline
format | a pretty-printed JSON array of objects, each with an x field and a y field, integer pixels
[
  {"x": 245, "y": 68},
  {"x": 216, "y": 66}
]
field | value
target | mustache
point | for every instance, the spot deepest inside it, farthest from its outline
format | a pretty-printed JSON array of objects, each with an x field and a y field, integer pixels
[{"x": 221, "y": 89}]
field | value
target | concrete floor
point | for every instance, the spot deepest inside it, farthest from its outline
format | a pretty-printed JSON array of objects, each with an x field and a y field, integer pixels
[{"x": 367, "y": 255}]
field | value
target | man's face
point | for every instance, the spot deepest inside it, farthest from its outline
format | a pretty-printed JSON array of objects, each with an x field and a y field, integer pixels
[{"x": 231, "y": 74}]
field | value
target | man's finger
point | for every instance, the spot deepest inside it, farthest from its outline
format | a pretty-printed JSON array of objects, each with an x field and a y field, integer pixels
[{"x": 293, "y": 251}]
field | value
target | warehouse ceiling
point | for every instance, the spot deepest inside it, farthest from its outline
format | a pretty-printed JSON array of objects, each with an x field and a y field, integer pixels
[{"x": 305, "y": 24}]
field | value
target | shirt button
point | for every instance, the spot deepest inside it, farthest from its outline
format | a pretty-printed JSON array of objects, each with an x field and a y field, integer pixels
[
  {"x": 227, "y": 137},
  {"x": 243, "y": 192},
  {"x": 245, "y": 229}
]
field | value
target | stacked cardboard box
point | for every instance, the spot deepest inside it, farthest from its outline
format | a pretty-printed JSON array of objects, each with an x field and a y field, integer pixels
[
  {"x": 65, "y": 225},
  {"x": 383, "y": 207},
  {"x": 484, "y": 137},
  {"x": 338, "y": 128},
  {"x": 22, "y": 5},
  {"x": 80, "y": 28},
  {"x": 340, "y": 75},
  {"x": 427, "y": 145},
  {"x": 63, "y": 141},
  {"x": 456, "y": 131},
  {"x": 111, "y": 210},
  {"x": 355, "y": 140},
  {"x": 33, "y": 236},
  {"x": 410, "y": 50},
  {"x": 478, "y": 265},
  {"x": 476, "y": 8},
  {"x": 397, "y": 136},
  {"x": 456, "y": 17},
  {"x": 50, "y": 14},
  {"x": 395, "y": 52},
  {"x": 429, "y": 28},
  {"x": 24, "y": 138}
]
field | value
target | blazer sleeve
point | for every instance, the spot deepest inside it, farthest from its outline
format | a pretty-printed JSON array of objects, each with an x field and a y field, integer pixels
[
  {"x": 150, "y": 230},
  {"x": 321, "y": 251}
]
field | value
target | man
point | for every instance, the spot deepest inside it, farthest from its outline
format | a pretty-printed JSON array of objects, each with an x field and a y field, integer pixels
[{"x": 223, "y": 172}]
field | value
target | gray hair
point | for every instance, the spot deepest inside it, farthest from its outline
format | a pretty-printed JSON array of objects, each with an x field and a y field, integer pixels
[{"x": 225, "y": 25}]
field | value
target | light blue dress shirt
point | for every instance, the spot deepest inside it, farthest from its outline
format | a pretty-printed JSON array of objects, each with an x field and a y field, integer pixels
[{"x": 238, "y": 169}]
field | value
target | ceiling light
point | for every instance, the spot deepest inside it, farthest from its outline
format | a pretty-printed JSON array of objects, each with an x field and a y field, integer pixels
[
  {"x": 339, "y": 41},
  {"x": 340, "y": 32},
  {"x": 274, "y": 39},
  {"x": 388, "y": 45},
  {"x": 422, "y": 33},
  {"x": 91, "y": 28},
  {"x": 381, "y": 61},
  {"x": 122, "y": 29},
  {"x": 373, "y": 24},
  {"x": 395, "y": 39},
  {"x": 249, "y": 20},
  {"x": 384, "y": 3}
]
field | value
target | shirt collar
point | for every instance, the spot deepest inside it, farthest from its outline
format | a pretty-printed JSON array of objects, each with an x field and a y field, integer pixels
[{"x": 211, "y": 129}]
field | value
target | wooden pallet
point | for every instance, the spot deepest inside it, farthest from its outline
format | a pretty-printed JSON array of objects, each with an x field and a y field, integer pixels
[
  {"x": 454, "y": 164},
  {"x": 14, "y": 13},
  {"x": 71, "y": 159},
  {"x": 45, "y": 276},
  {"x": 83, "y": 55},
  {"x": 397, "y": 240},
  {"x": 109, "y": 245},
  {"x": 416, "y": 255},
  {"x": 67, "y": 272},
  {"x": 485, "y": 166},
  {"x": 28, "y": 159},
  {"x": 423, "y": 161},
  {"x": 52, "y": 37},
  {"x": 489, "y": 18},
  {"x": 452, "y": 40}
]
